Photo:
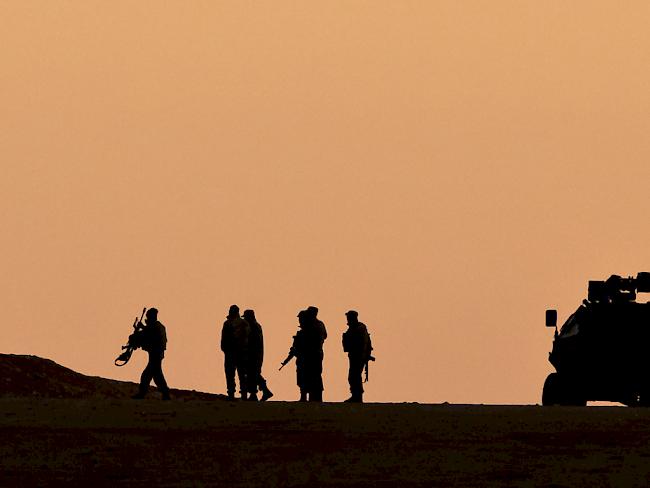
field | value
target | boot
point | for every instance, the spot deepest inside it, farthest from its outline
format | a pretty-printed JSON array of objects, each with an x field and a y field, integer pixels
[
  {"x": 355, "y": 398},
  {"x": 266, "y": 394},
  {"x": 303, "y": 396},
  {"x": 231, "y": 395},
  {"x": 252, "y": 397}
]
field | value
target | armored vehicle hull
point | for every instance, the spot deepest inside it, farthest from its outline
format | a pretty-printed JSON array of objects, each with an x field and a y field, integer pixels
[{"x": 602, "y": 352}]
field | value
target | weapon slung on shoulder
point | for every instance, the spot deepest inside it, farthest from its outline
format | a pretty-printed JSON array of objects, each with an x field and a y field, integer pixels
[{"x": 370, "y": 358}]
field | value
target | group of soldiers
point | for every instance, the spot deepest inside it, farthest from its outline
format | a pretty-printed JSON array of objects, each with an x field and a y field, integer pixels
[{"x": 242, "y": 342}]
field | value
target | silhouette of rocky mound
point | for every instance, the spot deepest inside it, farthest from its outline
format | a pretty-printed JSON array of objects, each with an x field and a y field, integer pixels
[{"x": 32, "y": 376}]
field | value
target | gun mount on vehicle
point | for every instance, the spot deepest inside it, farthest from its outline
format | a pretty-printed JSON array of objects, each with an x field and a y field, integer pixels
[{"x": 602, "y": 352}]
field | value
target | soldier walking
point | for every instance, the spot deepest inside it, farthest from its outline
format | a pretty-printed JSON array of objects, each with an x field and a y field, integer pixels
[
  {"x": 234, "y": 344},
  {"x": 356, "y": 342},
  {"x": 255, "y": 359},
  {"x": 153, "y": 339}
]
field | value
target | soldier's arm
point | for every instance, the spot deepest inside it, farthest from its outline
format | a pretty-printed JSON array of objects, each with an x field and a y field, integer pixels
[
  {"x": 163, "y": 337},
  {"x": 224, "y": 337},
  {"x": 290, "y": 355},
  {"x": 295, "y": 347},
  {"x": 367, "y": 344}
]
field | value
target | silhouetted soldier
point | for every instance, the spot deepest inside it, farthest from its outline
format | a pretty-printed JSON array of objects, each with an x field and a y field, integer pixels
[
  {"x": 255, "y": 359},
  {"x": 234, "y": 344},
  {"x": 154, "y": 341},
  {"x": 299, "y": 351},
  {"x": 314, "y": 360},
  {"x": 356, "y": 342}
]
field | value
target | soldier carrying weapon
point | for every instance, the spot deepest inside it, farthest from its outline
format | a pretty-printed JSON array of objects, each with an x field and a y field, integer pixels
[
  {"x": 299, "y": 351},
  {"x": 307, "y": 348},
  {"x": 151, "y": 337},
  {"x": 356, "y": 342},
  {"x": 317, "y": 336}
]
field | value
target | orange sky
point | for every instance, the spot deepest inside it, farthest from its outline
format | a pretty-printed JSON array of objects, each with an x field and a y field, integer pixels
[{"x": 449, "y": 169}]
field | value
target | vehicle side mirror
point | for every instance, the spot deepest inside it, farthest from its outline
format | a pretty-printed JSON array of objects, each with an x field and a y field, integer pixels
[{"x": 551, "y": 318}]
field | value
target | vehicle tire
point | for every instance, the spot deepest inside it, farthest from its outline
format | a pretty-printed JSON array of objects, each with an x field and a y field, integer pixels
[
  {"x": 552, "y": 391},
  {"x": 559, "y": 391},
  {"x": 575, "y": 401}
]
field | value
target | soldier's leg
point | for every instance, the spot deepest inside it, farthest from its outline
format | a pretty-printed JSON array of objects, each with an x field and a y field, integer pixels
[
  {"x": 301, "y": 381},
  {"x": 229, "y": 366},
  {"x": 318, "y": 380},
  {"x": 145, "y": 379},
  {"x": 316, "y": 387},
  {"x": 355, "y": 380},
  {"x": 159, "y": 377},
  {"x": 241, "y": 374},
  {"x": 315, "y": 381},
  {"x": 350, "y": 375},
  {"x": 253, "y": 378},
  {"x": 266, "y": 393},
  {"x": 358, "y": 380}
]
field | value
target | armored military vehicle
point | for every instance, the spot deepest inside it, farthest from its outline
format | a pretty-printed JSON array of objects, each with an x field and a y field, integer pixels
[{"x": 602, "y": 352}]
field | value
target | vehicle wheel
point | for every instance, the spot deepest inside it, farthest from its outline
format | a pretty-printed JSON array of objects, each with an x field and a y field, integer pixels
[
  {"x": 558, "y": 391},
  {"x": 551, "y": 393},
  {"x": 575, "y": 401}
]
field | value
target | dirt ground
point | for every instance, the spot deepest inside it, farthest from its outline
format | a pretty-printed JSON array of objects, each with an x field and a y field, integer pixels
[{"x": 105, "y": 442}]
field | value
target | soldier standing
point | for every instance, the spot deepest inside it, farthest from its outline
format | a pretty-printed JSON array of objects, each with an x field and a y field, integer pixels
[
  {"x": 314, "y": 358},
  {"x": 234, "y": 344},
  {"x": 298, "y": 350},
  {"x": 356, "y": 342},
  {"x": 154, "y": 341},
  {"x": 255, "y": 358}
]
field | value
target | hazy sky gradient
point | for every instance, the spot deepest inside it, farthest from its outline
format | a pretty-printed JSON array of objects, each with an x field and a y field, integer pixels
[{"x": 449, "y": 169}]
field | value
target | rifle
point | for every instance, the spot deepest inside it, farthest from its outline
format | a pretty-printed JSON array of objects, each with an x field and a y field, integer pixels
[
  {"x": 286, "y": 361},
  {"x": 132, "y": 343},
  {"x": 370, "y": 358},
  {"x": 292, "y": 351}
]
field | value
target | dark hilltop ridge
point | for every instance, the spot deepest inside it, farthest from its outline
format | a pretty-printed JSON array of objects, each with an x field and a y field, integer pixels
[
  {"x": 32, "y": 376},
  {"x": 62, "y": 428}
]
